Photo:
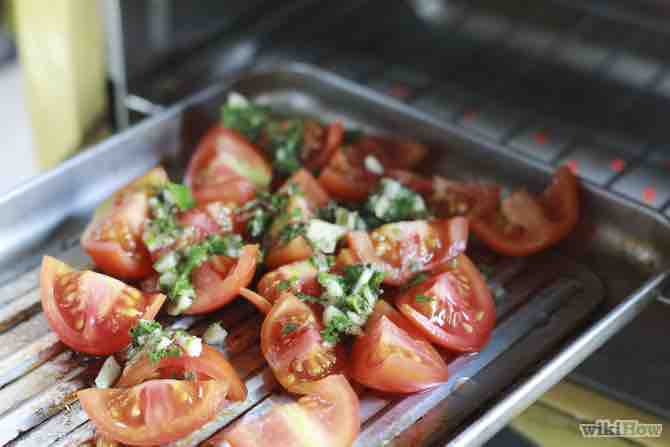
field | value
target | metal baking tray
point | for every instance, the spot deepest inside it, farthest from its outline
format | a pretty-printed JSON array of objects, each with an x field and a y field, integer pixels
[{"x": 554, "y": 309}]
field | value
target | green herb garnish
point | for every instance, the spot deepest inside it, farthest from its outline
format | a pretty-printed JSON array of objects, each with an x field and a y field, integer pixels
[
  {"x": 423, "y": 299},
  {"x": 150, "y": 337},
  {"x": 245, "y": 117},
  {"x": 286, "y": 139},
  {"x": 393, "y": 202},
  {"x": 288, "y": 328}
]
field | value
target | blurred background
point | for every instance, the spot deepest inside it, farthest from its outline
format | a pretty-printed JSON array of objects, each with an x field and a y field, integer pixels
[{"x": 580, "y": 82}]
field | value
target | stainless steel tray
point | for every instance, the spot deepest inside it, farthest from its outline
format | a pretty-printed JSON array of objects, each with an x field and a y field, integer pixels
[{"x": 555, "y": 308}]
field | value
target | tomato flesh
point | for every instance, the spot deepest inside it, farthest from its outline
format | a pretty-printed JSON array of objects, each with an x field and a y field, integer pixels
[
  {"x": 453, "y": 308},
  {"x": 292, "y": 345},
  {"x": 403, "y": 249},
  {"x": 226, "y": 168},
  {"x": 113, "y": 239},
  {"x": 220, "y": 279},
  {"x": 154, "y": 412},
  {"x": 91, "y": 312},
  {"x": 524, "y": 224},
  {"x": 327, "y": 416},
  {"x": 387, "y": 358},
  {"x": 209, "y": 365},
  {"x": 295, "y": 277}
]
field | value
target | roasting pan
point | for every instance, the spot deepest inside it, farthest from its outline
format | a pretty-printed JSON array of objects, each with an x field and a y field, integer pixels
[{"x": 554, "y": 309}]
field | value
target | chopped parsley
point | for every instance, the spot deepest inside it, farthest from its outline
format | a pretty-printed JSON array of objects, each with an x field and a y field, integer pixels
[
  {"x": 287, "y": 284},
  {"x": 418, "y": 279},
  {"x": 322, "y": 262},
  {"x": 175, "y": 268},
  {"x": 423, "y": 298},
  {"x": 288, "y": 328},
  {"x": 265, "y": 208},
  {"x": 245, "y": 117},
  {"x": 150, "y": 337},
  {"x": 341, "y": 216},
  {"x": 163, "y": 230},
  {"x": 393, "y": 202},
  {"x": 348, "y": 299},
  {"x": 286, "y": 140},
  {"x": 291, "y": 231}
]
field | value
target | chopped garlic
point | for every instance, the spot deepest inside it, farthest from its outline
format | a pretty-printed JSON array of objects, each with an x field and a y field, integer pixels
[
  {"x": 373, "y": 165},
  {"x": 324, "y": 235},
  {"x": 191, "y": 345},
  {"x": 237, "y": 100},
  {"x": 215, "y": 334},
  {"x": 182, "y": 303},
  {"x": 108, "y": 374}
]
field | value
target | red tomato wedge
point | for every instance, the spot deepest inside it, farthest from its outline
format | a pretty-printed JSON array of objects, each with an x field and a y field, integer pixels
[
  {"x": 257, "y": 300},
  {"x": 209, "y": 365},
  {"x": 113, "y": 239},
  {"x": 154, "y": 412},
  {"x": 295, "y": 277},
  {"x": 325, "y": 147},
  {"x": 346, "y": 176},
  {"x": 91, "y": 312},
  {"x": 328, "y": 416},
  {"x": 525, "y": 224},
  {"x": 226, "y": 167},
  {"x": 292, "y": 345},
  {"x": 219, "y": 280},
  {"x": 453, "y": 308},
  {"x": 388, "y": 358},
  {"x": 403, "y": 249},
  {"x": 310, "y": 188},
  {"x": 301, "y": 207}
]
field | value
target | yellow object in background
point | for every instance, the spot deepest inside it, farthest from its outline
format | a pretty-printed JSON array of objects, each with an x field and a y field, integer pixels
[{"x": 61, "y": 49}]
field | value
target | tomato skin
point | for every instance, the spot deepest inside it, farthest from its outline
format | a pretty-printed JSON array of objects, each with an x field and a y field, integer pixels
[
  {"x": 154, "y": 412},
  {"x": 535, "y": 223},
  {"x": 209, "y": 365},
  {"x": 91, "y": 312},
  {"x": 346, "y": 180},
  {"x": 257, "y": 300},
  {"x": 215, "y": 289},
  {"x": 328, "y": 416},
  {"x": 302, "y": 273},
  {"x": 461, "y": 315},
  {"x": 314, "y": 193},
  {"x": 387, "y": 358},
  {"x": 392, "y": 153},
  {"x": 299, "y": 356},
  {"x": 332, "y": 141},
  {"x": 113, "y": 239},
  {"x": 402, "y": 249},
  {"x": 227, "y": 168}
]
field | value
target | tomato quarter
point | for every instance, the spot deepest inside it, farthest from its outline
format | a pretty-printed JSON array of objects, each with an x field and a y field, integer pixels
[
  {"x": 113, "y": 239},
  {"x": 328, "y": 416},
  {"x": 403, "y": 249},
  {"x": 91, "y": 312},
  {"x": 453, "y": 308},
  {"x": 524, "y": 224},
  {"x": 226, "y": 167},
  {"x": 154, "y": 412},
  {"x": 292, "y": 345}
]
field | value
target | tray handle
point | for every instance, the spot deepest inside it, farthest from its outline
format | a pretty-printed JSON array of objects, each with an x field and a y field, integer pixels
[{"x": 561, "y": 365}]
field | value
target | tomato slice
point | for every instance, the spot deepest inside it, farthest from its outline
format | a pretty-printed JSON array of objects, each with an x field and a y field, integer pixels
[
  {"x": 524, "y": 224},
  {"x": 310, "y": 188},
  {"x": 292, "y": 345},
  {"x": 403, "y": 249},
  {"x": 209, "y": 365},
  {"x": 387, "y": 358},
  {"x": 328, "y": 416},
  {"x": 226, "y": 167},
  {"x": 91, "y": 312},
  {"x": 300, "y": 208},
  {"x": 454, "y": 308},
  {"x": 295, "y": 277},
  {"x": 219, "y": 280},
  {"x": 113, "y": 239},
  {"x": 257, "y": 300},
  {"x": 154, "y": 412},
  {"x": 325, "y": 147},
  {"x": 346, "y": 177}
]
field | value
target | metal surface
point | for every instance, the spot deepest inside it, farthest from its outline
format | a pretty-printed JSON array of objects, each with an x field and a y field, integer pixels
[{"x": 541, "y": 300}]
